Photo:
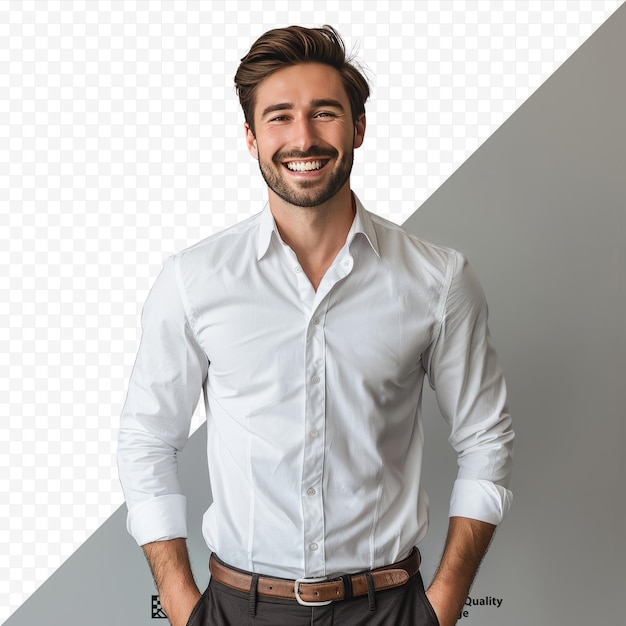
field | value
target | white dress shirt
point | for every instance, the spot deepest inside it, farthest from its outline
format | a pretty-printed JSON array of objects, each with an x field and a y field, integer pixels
[{"x": 313, "y": 398}]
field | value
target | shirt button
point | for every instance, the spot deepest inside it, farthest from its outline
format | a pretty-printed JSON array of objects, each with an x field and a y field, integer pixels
[
  {"x": 311, "y": 492},
  {"x": 316, "y": 321},
  {"x": 347, "y": 262},
  {"x": 313, "y": 434},
  {"x": 313, "y": 546},
  {"x": 316, "y": 379},
  {"x": 297, "y": 269}
]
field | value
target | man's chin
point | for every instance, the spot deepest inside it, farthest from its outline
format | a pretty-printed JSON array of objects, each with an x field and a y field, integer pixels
[
  {"x": 304, "y": 203},
  {"x": 306, "y": 196},
  {"x": 303, "y": 193}
]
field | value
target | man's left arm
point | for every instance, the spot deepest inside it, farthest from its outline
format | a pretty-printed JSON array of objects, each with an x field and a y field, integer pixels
[{"x": 464, "y": 371}]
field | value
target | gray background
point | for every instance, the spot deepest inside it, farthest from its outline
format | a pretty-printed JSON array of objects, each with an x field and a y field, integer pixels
[{"x": 540, "y": 210}]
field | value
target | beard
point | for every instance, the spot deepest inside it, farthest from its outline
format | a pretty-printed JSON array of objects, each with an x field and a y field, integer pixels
[{"x": 306, "y": 193}]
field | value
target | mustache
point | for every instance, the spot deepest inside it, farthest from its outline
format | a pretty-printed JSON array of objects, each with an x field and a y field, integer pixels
[{"x": 313, "y": 152}]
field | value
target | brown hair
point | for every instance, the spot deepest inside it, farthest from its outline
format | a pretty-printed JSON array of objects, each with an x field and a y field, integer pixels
[{"x": 283, "y": 47}]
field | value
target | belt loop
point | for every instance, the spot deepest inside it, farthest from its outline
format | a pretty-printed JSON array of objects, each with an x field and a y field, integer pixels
[
  {"x": 347, "y": 587},
  {"x": 371, "y": 593},
  {"x": 252, "y": 596}
]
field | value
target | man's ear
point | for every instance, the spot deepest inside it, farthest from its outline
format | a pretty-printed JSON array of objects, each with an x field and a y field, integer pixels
[
  {"x": 251, "y": 142},
  {"x": 359, "y": 131}
]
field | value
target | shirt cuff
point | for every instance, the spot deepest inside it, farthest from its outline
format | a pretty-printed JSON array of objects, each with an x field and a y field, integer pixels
[
  {"x": 158, "y": 519},
  {"x": 481, "y": 500}
]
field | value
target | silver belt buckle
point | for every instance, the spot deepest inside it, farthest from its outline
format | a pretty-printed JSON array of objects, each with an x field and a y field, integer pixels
[{"x": 297, "y": 584}]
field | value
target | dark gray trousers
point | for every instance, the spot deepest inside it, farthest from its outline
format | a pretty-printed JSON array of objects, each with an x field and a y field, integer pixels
[{"x": 402, "y": 606}]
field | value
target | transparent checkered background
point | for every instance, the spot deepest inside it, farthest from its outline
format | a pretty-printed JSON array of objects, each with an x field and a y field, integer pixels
[{"x": 121, "y": 142}]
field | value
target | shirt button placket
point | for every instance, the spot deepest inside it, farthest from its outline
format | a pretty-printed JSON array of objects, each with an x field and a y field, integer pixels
[{"x": 312, "y": 497}]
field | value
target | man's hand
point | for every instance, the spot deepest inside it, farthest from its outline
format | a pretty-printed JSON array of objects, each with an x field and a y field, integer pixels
[
  {"x": 169, "y": 562},
  {"x": 466, "y": 545}
]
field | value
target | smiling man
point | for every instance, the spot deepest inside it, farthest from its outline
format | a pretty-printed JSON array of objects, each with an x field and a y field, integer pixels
[{"x": 311, "y": 327}]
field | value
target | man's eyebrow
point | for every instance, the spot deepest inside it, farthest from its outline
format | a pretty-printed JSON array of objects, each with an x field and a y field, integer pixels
[
  {"x": 281, "y": 106},
  {"x": 327, "y": 102}
]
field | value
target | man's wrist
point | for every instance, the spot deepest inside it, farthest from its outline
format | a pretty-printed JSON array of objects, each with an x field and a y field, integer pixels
[
  {"x": 446, "y": 601},
  {"x": 178, "y": 605}
]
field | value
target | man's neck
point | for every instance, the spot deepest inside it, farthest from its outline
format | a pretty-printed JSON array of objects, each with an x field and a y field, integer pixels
[{"x": 315, "y": 234}]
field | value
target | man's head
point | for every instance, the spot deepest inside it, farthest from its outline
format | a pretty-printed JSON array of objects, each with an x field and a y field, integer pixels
[
  {"x": 304, "y": 105},
  {"x": 283, "y": 47}
]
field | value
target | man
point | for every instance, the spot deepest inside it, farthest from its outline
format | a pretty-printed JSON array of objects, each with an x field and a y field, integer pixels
[{"x": 311, "y": 327}]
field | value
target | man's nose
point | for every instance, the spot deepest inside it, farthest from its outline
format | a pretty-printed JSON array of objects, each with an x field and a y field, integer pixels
[{"x": 303, "y": 134}]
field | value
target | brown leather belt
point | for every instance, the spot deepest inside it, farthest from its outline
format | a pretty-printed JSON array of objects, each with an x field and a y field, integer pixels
[{"x": 315, "y": 591}]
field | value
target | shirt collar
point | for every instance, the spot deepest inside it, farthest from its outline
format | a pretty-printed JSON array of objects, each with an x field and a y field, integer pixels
[
  {"x": 362, "y": 224},
  {"x": 267, "y": 226}
]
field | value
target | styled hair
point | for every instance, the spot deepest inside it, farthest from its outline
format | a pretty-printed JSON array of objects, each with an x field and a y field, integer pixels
[{"x": 283, "y": 47}]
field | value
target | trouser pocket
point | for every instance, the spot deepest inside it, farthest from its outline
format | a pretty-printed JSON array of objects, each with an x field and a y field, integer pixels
[{"x": 427, "y": 604}]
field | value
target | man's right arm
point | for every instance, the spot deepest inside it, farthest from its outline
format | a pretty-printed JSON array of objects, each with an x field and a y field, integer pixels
[
  {"x": 162, "y": 395},
  {"x": 169, "y": 562}
]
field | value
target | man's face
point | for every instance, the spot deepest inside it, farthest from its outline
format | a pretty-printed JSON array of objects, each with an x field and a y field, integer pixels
[{"x": 304, "y": 135}]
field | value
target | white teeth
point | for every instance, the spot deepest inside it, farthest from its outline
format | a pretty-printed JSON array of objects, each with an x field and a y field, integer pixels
[{"x": 304, "y": 166}]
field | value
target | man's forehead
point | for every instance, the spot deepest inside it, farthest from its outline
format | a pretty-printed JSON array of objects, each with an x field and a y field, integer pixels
[{"x": 302, "y": 83}]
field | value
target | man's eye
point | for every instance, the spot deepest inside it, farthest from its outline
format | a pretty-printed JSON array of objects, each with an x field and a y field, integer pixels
[
  {"x": 278, "y": 118},
  {"x": 325, "y": 114}
]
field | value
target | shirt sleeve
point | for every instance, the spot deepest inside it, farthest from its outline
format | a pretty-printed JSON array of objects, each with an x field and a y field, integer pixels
[
  {"x": 464, "y": 371},
  {"x": 162, "y": 395}
]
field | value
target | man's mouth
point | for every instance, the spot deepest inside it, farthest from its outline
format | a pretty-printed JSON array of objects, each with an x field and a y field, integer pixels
[{"x": 305, "y": 166}]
